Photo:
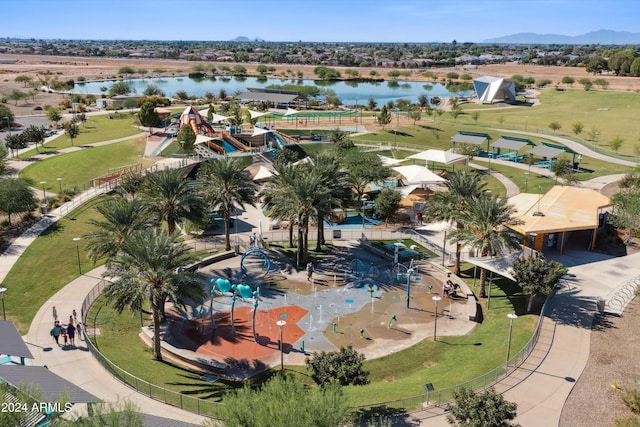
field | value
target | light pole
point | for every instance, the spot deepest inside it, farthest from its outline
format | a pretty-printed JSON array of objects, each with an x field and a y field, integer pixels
[
  {"x": 436, "y": 298},
  {"x": 59, "y": 184},
  {"x": 511, "y": 316},
  {"x": 280, "y": 324},
  {"x": 44, "y": 194},
  {"x": 4, "y": 313},
  {"x": 77, "y": 240}
]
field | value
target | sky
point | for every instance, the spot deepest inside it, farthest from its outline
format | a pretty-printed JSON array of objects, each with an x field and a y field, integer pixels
[{"x": 311, "y": 20}]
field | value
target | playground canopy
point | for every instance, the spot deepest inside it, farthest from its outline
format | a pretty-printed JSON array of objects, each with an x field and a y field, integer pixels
[
  {"x": 11, "y": 342},
  {"x": 262, "y": 174},
  {"x": 291, "y": 112},
  {"x": 440, "y": 156},
  {"x": 509, "y": 144},
  {"x": 545, "y": 151},
  {"x": 490, "y": 89},
  {"x": 468, "y": 139},
  {"x": 415, "y": 174},
  {"x": 389, "y": 161},
  {"x": 256, "y": 114},
  {"x": 501, "y": 265},
  {"x": 203, "y": 138}
]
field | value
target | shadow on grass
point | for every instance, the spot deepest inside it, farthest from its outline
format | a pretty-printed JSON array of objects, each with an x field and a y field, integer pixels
[{"x": 54, "y": 229}]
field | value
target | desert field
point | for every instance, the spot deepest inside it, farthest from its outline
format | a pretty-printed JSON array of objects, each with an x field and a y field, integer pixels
[{"x": 105, "y": 68}]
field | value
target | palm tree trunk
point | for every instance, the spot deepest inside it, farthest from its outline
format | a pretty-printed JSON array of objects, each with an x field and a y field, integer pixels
[
  {"x": 227, "y": 225},
  {"x": 456, "y": 269},
  {"x": 320, "y": 233},
  {"x": 157, "y": 355},
  {"x": 483, "y": 280},
  {"x": 300, "y": 250},
  {"x": 291, "y": 234}
]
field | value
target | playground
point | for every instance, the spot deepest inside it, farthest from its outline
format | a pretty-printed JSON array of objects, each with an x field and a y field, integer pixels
[{"x": 364, "y": 302}]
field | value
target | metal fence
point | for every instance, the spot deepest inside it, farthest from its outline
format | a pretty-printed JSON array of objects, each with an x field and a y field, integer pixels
[
  {"x": 170, "y": 397},
  {"x": 618, "y": 300}
]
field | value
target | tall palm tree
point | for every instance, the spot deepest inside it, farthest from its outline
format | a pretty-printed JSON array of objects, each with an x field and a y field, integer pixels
[
  {"x": 447, "y": 205},
  {"x": 149, "y": 266},
  {"x": 336, "y": 180},
  {"x": 295, "y": 188},
  {"x": 226, "y": 186},
  {"x": 484, "y": 221},
  {"x": 276, "y": 198},
  {"x": 121, "y": 219},
  {"x": 170, "y": 197}
]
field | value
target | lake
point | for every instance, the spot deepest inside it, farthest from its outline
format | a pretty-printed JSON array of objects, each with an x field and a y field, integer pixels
[{"x": 351, "y": 93}]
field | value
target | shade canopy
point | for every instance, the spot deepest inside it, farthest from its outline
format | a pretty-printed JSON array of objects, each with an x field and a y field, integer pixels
[
  {"x": 439, "y": 156},
  {"x": 262, "y": 174},
  {"x": 509, "y": 144},
  {"x": 11, "y": 342},
  {"x": 389, "y": 161},
  {"x": 52, "y": 388},
  {"x": 468, "y": 139},
  {"x": 543, "y": 151},
  {"x": 291, "y": 112},
  {"x": 259, "y": 131},
  {"x": 415, "y": 174},
  {"x": 501, "y": 265},
  {"x": 256, "y": 114},
  {"x": 203, "y": 138}
]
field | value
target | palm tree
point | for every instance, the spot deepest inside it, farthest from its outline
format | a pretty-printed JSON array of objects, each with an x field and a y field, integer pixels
[
  {"x": 335, "y": 179},
  {"x": 276, "y": 198},
  {"x": 295, "y": 188},
  {"x": 149, "y": 266},
  {"x": 484, "y": 228},
  {"x": 226, "y": 186},
  {"x": 170, "y": 197},
  {"x": 447, "y": 205},
  {"x": 121, "y": 219}
]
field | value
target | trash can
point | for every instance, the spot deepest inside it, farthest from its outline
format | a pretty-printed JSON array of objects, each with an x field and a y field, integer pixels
[
  {"x": 600, "y": 303},
  {"x": 337, "y": 234},
  {"x": 43, "y": 209},
  {"x": 236, "y": 248}
]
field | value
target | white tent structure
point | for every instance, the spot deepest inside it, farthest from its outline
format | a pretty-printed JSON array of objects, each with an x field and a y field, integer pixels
[
  {"x": 202, "y": 138},
  {"x": 256, "y": 114},
  {"x": 440, "y": 156},
  {"x": 291, "y": 112},
  {"x": 491, "y": 89},
  {"x": 389, "y": 161},
  {"x": 262, "y": 174},
  {"x": 415, "y": 174}
]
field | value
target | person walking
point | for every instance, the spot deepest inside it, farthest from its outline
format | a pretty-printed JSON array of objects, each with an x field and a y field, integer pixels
[
  {"x": 64, "y": 335},
  {"x": 75, "y": 316},
  {"x": 79, "y": 331},
  {"x": 55, "y": 332},
  {"x": 54, "y": 312},
  {"x": 310, "y": 270},
  {"x": 71, "y": 331}
]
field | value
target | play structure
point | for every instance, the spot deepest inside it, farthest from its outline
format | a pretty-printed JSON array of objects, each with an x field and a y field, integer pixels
[
  {"x": 361, "y": 302},
  {"x": 191, "y": 117}
]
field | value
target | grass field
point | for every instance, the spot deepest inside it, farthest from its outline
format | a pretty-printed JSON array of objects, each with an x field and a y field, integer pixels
[
  {"x": 78, "y": 168},
  {"x": 47, "y": 265},
  {"x": 97, "y": 128}
]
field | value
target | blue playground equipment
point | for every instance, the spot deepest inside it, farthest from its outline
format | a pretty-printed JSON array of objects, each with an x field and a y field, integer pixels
[{"x": 266, "y": 265}]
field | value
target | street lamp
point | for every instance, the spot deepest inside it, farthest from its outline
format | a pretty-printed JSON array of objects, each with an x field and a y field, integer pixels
[
  {"x": 436, "y": 298},
  {"x": 4, "y": 313},
  {"x": 511, "y": 316},
  {"x": 44, "y": 194},
  {"x": 281, "y": 323},
  {"x": 77, "y": 240},
  {"x": 59, "y": 184}
]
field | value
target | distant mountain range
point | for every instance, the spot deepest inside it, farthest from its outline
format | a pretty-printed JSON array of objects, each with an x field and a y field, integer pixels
[
  {"x": 246, "y": 39},
  {"x": 603, "y": 37}
]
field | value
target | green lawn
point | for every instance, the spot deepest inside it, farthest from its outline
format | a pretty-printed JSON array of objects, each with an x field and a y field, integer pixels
[
  {"x": 96, "y": 129},
  {"x": 47, "y": 265},
  {"x": 78, "y": 168}
]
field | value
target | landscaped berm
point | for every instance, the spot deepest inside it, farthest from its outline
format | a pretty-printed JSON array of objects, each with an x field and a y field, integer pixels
[{"x": 365, "y": 307}]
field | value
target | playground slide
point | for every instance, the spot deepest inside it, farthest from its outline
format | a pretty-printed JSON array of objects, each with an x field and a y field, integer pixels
[
  {"x": 213, "y": 146},
  {"x": 239, "y": 145},
  {"x": 284, "y": 138},
  {"x": 194, "y": 126}
]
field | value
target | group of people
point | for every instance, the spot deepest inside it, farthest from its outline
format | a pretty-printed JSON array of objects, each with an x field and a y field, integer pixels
[
  {"x": 66, "y": 331},
  {"x": 450, "y": 289}
]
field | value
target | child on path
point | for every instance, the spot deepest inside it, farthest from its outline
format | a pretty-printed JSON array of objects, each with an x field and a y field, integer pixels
[
  {"x": 75, "y": 315},
  {"x": 79, "y": 331},
  {"x": 55, "y": 313},
  {"x": 310, "y": 270},
  {"x": 64, "y": 335}
]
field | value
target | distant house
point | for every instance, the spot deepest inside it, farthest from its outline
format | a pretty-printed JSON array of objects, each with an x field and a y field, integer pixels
[{"x": 494, "y": 89}]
